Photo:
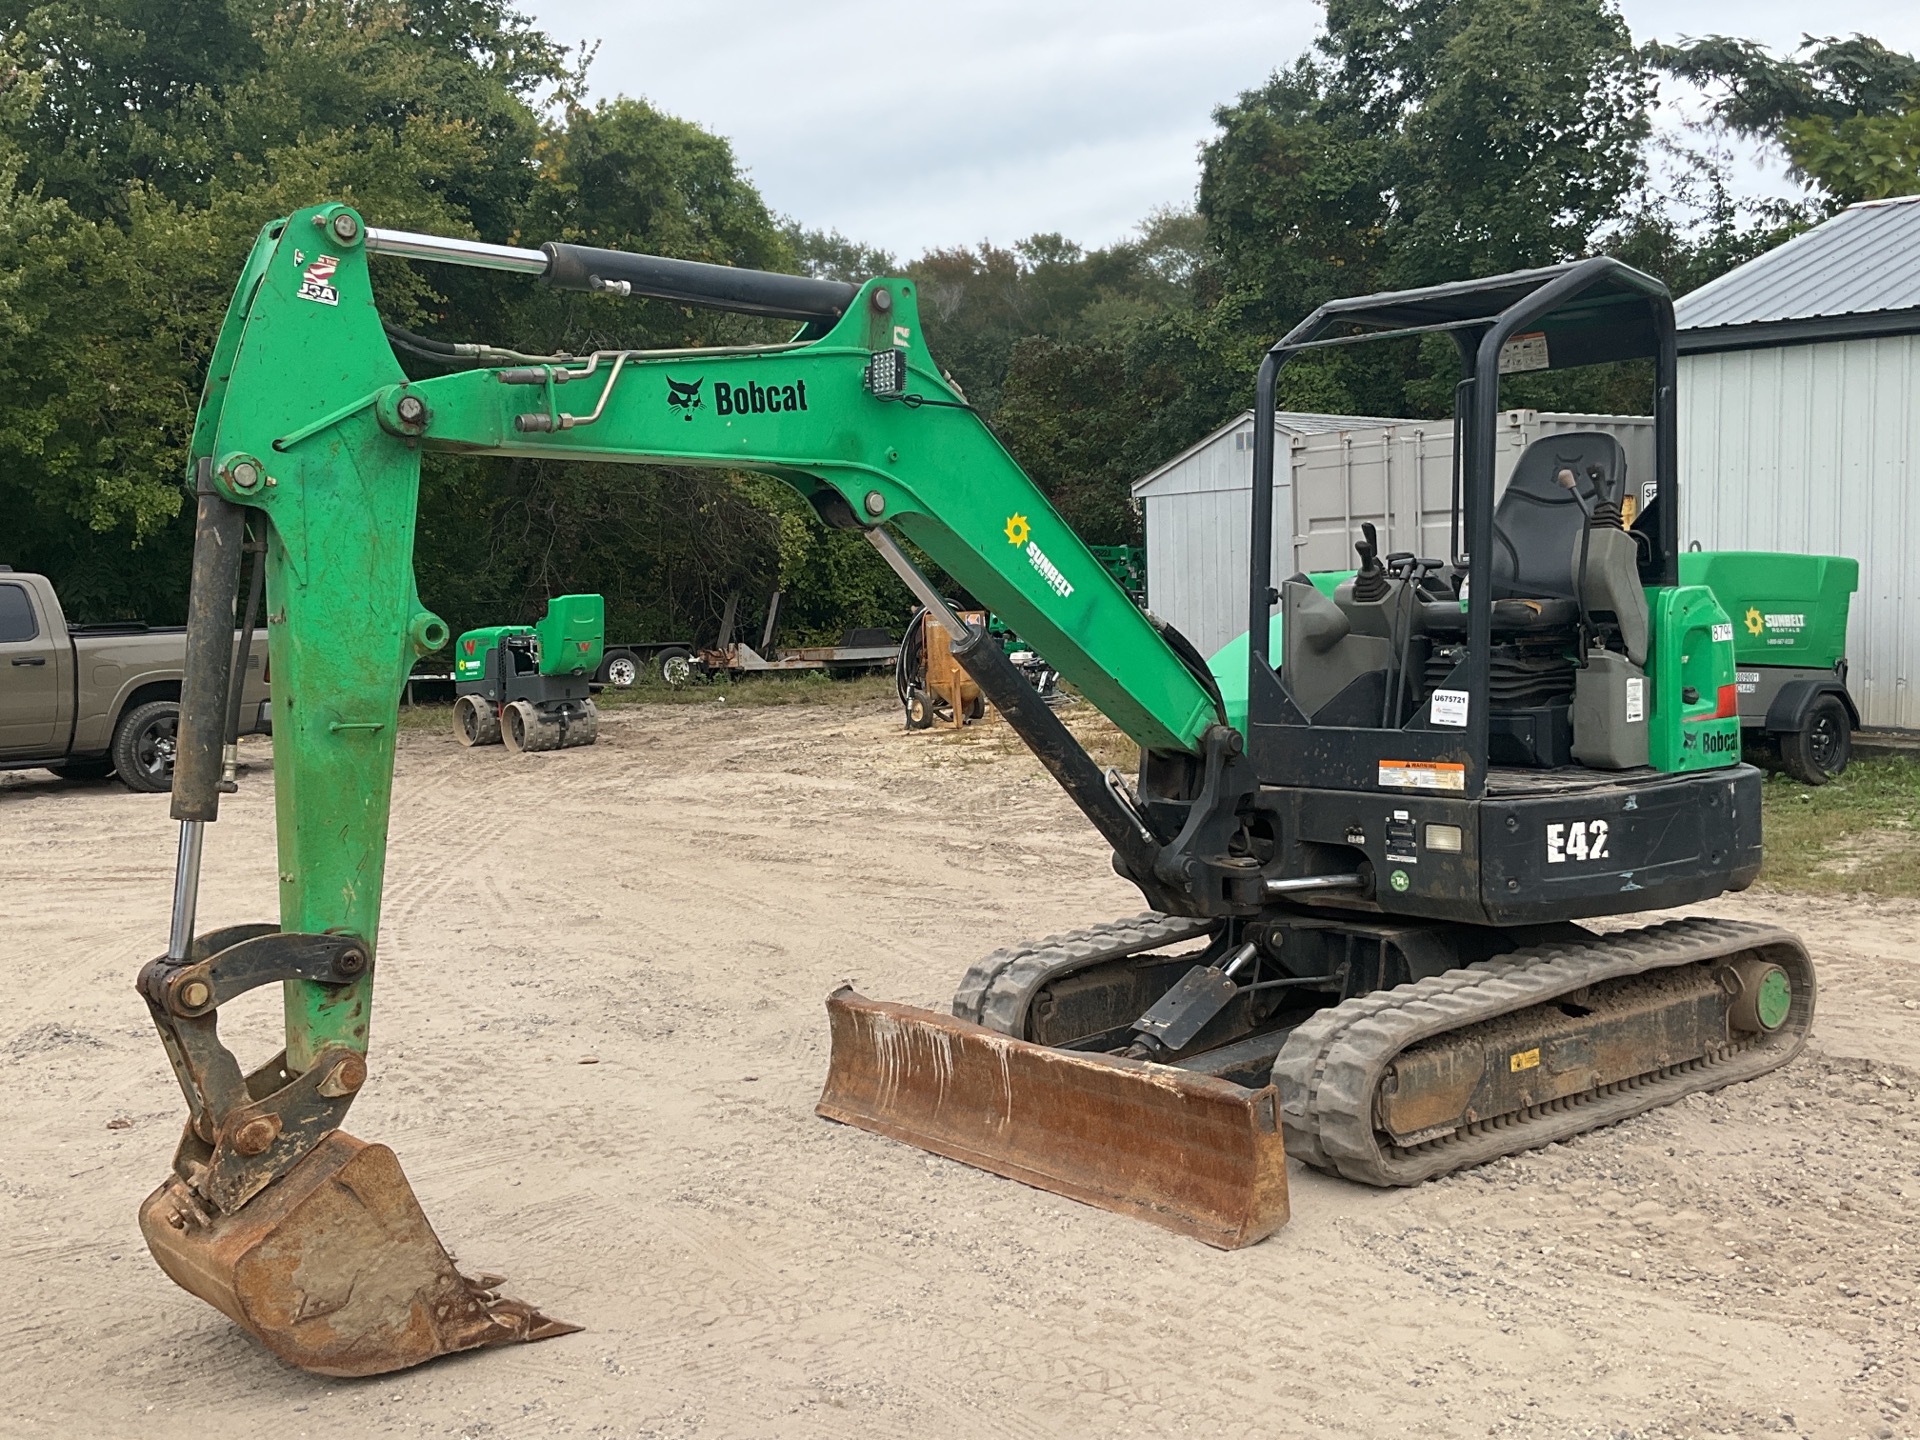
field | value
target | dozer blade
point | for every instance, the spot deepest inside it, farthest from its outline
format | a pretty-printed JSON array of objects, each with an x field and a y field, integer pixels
[
  {"x": 334, "y": 1268},
  {"x": 1196, "y": 1154}
]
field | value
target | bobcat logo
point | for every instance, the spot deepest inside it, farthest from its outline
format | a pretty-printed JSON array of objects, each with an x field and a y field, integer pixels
[{"x": 681, "y": 396}]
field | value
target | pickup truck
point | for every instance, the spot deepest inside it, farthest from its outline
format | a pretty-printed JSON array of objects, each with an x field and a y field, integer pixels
[{"x": 88, "y": 701}]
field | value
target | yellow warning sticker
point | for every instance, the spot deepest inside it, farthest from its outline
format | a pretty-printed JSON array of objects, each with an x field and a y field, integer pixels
[
  {"x": 1525, "y": 1060},
  {"x": 1423, "y": 774}
]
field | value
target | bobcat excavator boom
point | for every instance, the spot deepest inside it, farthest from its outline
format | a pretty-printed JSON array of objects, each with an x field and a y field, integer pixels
[
  {"x": 310, "y": 432},
  {"x": 1360, "y": 866}
]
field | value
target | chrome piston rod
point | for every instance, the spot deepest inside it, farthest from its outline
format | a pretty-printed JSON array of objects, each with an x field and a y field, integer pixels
[
  {"x": 186, "y": 888},
  {"x": 446, "y": 250}
]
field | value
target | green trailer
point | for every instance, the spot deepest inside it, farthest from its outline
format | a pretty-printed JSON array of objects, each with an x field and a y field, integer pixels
[
  {"x": 530, "y": 687},
  {"x": 1789, "y": 615}
]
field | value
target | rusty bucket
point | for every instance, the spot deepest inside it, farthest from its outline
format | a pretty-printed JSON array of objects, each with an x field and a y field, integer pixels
[
  {"x": 334, "y": 1267},
  {"x": 1193, "y": 1153}
]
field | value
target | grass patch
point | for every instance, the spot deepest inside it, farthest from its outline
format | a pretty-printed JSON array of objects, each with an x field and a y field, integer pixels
[
  {"x": 1859, "y": 834},
  {"x": 803, "y": 687},
  {"x": 433, "y": 715}
]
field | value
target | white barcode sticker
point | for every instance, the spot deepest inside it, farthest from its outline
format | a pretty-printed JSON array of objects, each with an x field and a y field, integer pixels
[
  {"x": 1636, "y": 700},
  {"x": 1723, "y": 634},
  {"x": 1450, "y": 708}
]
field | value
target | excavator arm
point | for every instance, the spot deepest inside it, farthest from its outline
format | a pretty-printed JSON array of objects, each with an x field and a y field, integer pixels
[{"x": 310, "y": 430}]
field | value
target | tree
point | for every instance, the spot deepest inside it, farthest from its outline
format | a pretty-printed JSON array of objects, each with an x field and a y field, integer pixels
[
  {"x": 1846, "y": 113},
  {"x": 144, "y": 146}
]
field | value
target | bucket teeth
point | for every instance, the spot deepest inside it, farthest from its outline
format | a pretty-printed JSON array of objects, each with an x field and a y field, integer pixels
[{"x": 335, "y": 1269}]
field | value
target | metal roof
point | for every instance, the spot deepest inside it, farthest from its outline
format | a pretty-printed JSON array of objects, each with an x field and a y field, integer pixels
[
  {"x": 1864, "y": 262},
  {"x": 1287, "y": 422}
]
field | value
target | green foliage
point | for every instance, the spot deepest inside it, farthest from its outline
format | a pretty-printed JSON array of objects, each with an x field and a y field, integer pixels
[
  {"x": 142, "y": 145},
  {"x": 829, "y": 255},
  {"x": 1859, "y": 834},
  {"x": 1422, "y": 141},
  {"x": 1863, "y": 157},
  {"x": 1845, "y": 112}
]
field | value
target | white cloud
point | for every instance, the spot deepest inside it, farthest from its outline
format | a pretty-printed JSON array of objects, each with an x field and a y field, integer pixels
[
  {"x": 916, "y": 126},
  {"x": 913, "y": 126}
]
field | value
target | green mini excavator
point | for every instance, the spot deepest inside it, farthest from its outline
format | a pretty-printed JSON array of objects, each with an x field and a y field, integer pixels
[{"x": 1364, "y": 857}]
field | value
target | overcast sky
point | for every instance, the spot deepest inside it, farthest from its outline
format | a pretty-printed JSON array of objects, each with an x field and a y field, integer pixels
[{"x": 913, "y": 126}]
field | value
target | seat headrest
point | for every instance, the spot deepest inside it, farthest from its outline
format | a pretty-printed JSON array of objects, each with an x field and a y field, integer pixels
[{"x": 1538, "y": 520}]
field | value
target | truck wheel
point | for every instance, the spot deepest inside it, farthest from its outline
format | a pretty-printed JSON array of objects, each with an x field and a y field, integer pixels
[
  {"x": 675, "y": 667},
  {"x": 143, "y": 746},
  {"x": 474, "y": 721},
  {"x": 1820, "y": 749},
  {"x": 98, "y": 768},
  {"x": 621, "y": 671}
]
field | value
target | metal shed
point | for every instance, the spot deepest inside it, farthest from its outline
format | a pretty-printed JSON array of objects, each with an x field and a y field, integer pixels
[
  {"x": 1341, "y": 471},
  {"x": 1800, "y": 425}
]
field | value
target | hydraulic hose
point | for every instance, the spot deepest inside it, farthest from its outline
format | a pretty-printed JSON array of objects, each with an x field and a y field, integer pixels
[{"x": 909, "y": 668}]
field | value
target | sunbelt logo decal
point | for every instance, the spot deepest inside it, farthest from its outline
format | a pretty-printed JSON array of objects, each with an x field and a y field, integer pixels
[
  {"x": 1019, "y": 532},
  {"x": 1759, "y": 623}
]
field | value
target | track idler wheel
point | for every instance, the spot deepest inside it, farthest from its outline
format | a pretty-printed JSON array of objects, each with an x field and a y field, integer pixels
[{"x": 334, "y": 1267}]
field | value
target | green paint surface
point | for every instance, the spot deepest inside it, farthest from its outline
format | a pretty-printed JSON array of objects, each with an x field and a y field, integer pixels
[
  {"x": 304, "y": 383},
  {"x": 1786, "y": 609}
]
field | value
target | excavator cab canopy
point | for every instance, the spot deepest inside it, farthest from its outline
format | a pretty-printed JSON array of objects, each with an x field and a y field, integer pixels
[{"x": 1449, "y": 666}]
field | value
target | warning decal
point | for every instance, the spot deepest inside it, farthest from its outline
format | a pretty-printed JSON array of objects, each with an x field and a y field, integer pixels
[{"x": 1423, "y": 774}]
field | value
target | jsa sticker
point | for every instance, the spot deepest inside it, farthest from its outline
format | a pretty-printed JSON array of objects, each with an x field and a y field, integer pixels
[
  {"x": 1577, "y": 840},
  {"x": 314, "y": 283}
]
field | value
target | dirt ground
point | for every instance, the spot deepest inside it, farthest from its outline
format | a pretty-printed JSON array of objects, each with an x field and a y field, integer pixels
[{"x": 676, "y": 902}]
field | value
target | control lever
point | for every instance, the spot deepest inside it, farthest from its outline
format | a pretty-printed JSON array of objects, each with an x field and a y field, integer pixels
[
  {"x": 1567, "y": 480},
  {"x": 1371, "y": 581}
]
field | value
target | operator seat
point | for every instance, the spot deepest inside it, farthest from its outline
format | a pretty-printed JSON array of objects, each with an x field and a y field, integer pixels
[{"x": 1539, "y": 524}]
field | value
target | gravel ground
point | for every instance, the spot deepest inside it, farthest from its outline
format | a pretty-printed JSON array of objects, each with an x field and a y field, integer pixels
[{"x": 675, "y": 903}]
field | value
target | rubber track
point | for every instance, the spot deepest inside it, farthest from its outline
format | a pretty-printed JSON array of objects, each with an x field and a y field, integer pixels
[
  {"x": 1333, "y": 1063},
  {"x": 996, "y": 991}
]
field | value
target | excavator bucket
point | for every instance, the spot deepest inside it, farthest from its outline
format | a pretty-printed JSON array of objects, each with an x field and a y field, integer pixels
[
  {"x": 1193, "y": 1153},
  {"x": 334, "y": 1268}
]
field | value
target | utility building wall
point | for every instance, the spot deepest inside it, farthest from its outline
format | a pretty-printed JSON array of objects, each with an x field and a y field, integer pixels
[
  {"x": 1332, "y": 475},
  {"x": 1198, "y": 513},
  {"x": 1812, "y": 448}
]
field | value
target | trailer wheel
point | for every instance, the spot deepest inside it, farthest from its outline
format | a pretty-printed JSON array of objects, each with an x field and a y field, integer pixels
[
  {"x": 919, "y": 710},
  {"x": 143, "y": 746},
  {"x": 475, "y": 721},
  {"x": 1820, "y": 749},
  {"x": 622, "y": 670},
  {"x": 675, "y": 667}
]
